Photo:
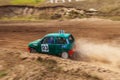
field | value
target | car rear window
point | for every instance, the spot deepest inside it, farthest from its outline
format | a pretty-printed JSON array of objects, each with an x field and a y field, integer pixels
[{"x": 71, "y": 39}]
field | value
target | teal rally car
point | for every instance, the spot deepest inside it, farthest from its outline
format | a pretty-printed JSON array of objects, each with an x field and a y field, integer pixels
[{"x": 60, "y": 44}]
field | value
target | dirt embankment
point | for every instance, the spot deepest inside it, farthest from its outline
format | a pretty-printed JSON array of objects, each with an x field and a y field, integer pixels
[
  {"x": 27, "y": 11},
  {"x": 48, "y": 12},
  {"x": 88, "y": 8},
  {"x": 57, "y": 12},
  {"x": 25, "y": 66}
]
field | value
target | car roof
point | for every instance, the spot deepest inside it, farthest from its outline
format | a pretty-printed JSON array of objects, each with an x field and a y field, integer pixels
[{"x": 58, "y": 35}]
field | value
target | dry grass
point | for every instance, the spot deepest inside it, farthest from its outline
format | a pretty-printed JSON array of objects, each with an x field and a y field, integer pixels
[{"x": 2, "y": 73}]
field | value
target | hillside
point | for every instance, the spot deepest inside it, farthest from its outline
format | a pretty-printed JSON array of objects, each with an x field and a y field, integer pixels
[
  {"x": 102, "y": 5},
  {"x": 44, "y": 10}
]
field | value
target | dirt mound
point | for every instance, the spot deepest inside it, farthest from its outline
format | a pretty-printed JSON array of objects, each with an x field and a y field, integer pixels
[{"x": 44, "y": 67}]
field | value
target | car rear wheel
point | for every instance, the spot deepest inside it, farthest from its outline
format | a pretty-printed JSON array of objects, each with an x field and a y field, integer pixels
[
  {"x": 64, "y": 55},
  {"x": 32, "y": 50}
]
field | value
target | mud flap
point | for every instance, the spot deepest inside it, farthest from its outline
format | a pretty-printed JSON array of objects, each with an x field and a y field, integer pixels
[
  {"x": 79, "y": 57},
  {"x": 75, "y": 56}
]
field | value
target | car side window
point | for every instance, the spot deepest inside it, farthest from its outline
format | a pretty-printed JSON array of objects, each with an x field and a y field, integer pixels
[
  {"x": 60, "y": 40},
  {"x": 48, "y": 40}
]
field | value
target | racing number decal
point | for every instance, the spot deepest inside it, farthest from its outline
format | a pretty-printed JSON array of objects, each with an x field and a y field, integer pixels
[{"x": 44, "y": 47}]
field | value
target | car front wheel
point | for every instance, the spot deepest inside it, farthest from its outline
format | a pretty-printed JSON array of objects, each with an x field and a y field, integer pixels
[
  {"x": 32, "y": 50},
  {"x": 64, "y": 55}
]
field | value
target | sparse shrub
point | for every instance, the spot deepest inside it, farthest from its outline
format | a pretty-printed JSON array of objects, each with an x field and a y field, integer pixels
[
  {"x": 72, "y": 14},
  {"x": 44, "y": 15},
  {"x": 56, "y": 16}
]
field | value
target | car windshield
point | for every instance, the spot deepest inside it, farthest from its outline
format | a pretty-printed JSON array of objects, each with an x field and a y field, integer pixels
[
  {"x": 71, "y": 39},
  {"x": 48, "y": 40}
]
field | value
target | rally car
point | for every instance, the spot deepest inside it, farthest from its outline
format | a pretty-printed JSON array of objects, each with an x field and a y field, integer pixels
[{"x": 60, "y": 44}]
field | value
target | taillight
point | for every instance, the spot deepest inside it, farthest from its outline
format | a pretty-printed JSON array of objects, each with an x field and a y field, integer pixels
[
  {"x": 70, "y": 52},
  {"x": 28, "y": 49}
]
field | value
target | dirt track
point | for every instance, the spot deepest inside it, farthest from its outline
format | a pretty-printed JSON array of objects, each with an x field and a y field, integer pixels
[
  {"x": 16, "y": 35},
  {"x": 19, "y": 34}
]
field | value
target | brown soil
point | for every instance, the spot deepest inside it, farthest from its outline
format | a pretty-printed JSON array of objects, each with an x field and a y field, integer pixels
[{"x": 16, "y": 63}]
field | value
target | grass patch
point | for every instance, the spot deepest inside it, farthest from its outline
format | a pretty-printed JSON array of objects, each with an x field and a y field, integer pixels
[
  {"x": 109, "y": 8},
  {"x": 24, "y": 2},
  {"x": 2, "y": 73},
  {"x": 115, "y": 18},
  {"x": 21, "y": 18}
]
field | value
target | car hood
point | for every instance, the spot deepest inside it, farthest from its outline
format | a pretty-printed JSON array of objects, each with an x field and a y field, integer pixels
[{"x": 34, "y": 43}]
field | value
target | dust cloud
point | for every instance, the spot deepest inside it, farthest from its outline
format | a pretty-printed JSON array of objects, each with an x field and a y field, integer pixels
[{"x": 97, "y": 52}]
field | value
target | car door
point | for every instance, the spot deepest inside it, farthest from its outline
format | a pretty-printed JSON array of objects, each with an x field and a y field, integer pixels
[
  {"x": 47, "y": 45},
  {"x": 60, "y": 45}
]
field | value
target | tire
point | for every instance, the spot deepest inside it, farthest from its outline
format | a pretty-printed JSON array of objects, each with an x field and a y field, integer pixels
[
  {"x": 32, "y": 50},
  {"x": 65, "y": 55}
]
